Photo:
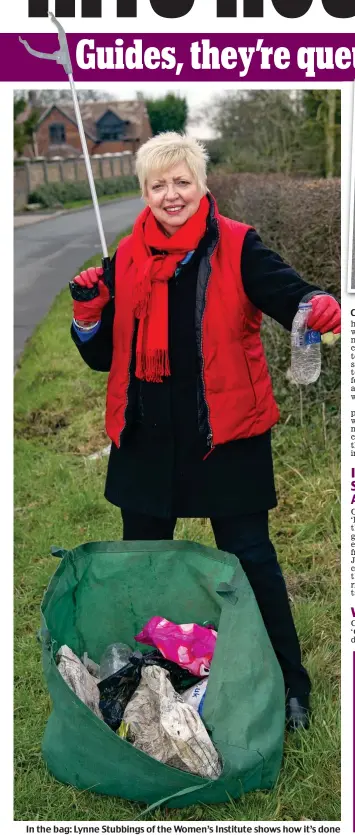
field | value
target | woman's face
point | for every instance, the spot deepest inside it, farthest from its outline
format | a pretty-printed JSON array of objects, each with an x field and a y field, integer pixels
[{"x": 173, "y": 196}]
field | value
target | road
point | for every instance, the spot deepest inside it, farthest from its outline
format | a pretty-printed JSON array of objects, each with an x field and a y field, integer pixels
[{"x": 49, "y": 253}]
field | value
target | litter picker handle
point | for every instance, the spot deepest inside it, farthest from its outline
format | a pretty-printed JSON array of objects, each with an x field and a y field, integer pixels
[
  {"x": 86, "y": 294},
  {"x": 62, "y": 56}
]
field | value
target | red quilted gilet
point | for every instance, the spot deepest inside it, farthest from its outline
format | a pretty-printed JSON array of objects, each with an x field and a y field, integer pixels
[{"x": 236, "y": 381}]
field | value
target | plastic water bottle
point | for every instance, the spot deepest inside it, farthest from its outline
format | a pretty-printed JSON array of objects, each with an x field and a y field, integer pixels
[
  {"x": 305, "y": 348},
  {"x": 114, "y": 658}
]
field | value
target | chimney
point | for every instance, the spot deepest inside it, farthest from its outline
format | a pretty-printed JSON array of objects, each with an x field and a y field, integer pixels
[{"x": 32, "y": 98}]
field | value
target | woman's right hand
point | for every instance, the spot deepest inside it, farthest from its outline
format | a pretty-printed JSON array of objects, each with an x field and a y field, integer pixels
[{"x": 88, "y": 313}]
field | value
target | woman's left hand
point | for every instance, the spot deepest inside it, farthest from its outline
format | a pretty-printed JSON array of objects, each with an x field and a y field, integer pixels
[{"x": 325, "y": 315}]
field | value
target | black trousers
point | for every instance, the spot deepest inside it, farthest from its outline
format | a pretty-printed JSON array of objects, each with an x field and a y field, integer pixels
[{"x": 248, "y": 538}]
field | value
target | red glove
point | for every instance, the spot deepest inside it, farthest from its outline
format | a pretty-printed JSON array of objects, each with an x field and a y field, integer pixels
[
  {"x": 90, "y": 312},
  {"x": 325, "y": 314}
]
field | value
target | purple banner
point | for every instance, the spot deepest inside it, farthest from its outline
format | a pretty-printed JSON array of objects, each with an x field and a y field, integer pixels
[{"x": 184, "y": 57}]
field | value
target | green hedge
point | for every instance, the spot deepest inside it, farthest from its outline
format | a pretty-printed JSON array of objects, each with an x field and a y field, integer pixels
[
  {"x": 299, "y": 219},
  {"x": 56, "y": 194}
]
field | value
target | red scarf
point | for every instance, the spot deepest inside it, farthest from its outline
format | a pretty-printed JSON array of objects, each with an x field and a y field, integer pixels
[{"x": 151, "y": 285}]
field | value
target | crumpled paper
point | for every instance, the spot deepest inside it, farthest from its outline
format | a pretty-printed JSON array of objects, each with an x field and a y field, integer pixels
[
  {"x": 163, "y": 726},
  {"x": 79, "y": 679}
]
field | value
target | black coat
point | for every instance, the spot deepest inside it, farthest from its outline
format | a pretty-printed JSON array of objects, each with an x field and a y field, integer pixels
[{"x": 160, "y": 468}]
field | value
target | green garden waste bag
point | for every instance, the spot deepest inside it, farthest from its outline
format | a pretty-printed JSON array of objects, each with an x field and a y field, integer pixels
[{"x": 103, "y": 592}]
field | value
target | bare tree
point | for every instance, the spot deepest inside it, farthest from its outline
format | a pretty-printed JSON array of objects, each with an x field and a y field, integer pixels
[
  {"x": 260, "y": 129},
  {"x": 45, "y": 98},
  {"x": 291, "y": 132}
]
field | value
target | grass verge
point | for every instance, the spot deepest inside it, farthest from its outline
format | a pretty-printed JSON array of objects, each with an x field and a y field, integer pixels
[
  {"x": 59, "y": 421},
  {"x": 106, "y": 198}
]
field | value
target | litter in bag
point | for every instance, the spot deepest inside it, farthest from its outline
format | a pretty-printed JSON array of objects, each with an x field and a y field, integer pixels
[
  {"x": 195, "y": 696},
  {"x": 163, "y": 726},
  {"x": 187, "y": 644},
  {"x": 105, "y": 591},
  {"x": 117, "y": 689},
  {"x": 180, "y": 678},
  {"x": 91, "y": 666},
  {"x": 79, "y": 679},
  {"x": 115, "y": 657}
]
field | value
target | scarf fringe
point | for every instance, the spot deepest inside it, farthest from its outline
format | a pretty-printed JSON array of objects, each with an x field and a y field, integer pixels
[{"x": 153, "y": 366}]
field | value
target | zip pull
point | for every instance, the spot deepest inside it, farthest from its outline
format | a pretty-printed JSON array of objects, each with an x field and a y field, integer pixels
[{"x": 208, "y": 453}]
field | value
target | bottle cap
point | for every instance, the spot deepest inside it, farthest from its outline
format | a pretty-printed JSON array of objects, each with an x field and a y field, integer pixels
[{"x": 312, "y": 337}]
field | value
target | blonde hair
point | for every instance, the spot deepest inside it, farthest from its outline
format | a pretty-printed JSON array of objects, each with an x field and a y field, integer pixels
[{"x": 167, "y": 149}]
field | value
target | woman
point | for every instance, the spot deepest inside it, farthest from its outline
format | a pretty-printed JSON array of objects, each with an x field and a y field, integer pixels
[{"x": 189, "y": 402}]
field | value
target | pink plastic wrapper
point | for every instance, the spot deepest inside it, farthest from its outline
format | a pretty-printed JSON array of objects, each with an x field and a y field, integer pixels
[{"x": 189, "y": 645}]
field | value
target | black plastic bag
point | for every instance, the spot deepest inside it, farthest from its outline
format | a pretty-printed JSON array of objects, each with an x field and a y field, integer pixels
[
  {"x": 180, "y": 678},
  {"x": 117, "y": 690}
]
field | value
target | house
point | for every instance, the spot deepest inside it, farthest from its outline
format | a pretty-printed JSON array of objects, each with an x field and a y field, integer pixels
[{"x": 109, "y": 127}]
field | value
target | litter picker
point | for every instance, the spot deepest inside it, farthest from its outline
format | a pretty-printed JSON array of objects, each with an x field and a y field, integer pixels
[{"x": 62, "y": 56}]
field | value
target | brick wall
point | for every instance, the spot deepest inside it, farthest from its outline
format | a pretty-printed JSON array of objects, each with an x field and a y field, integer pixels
[
  {"x": 35, "y": 173},
  {"x": 131, "y": 145},
  {"x": 20, "y": 188}
]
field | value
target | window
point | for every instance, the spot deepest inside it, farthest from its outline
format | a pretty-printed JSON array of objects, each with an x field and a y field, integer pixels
[
  {"x": 56, "y": 133},
  {"x": 110, "y": 128},
  {"x": 110, "y": 134}
]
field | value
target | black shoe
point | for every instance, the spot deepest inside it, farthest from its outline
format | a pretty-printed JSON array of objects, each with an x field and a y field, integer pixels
[{"x": 297, "y": 713}]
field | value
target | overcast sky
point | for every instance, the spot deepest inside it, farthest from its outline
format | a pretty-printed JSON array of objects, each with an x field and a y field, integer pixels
[{"x": 197, "y": 95}]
